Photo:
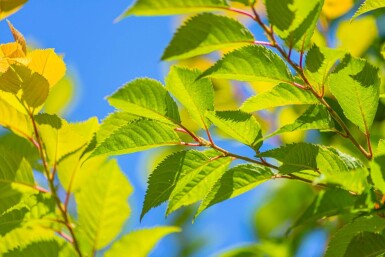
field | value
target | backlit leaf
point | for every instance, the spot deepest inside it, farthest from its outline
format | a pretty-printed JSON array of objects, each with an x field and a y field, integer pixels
[
  {"x": 19, "y": 38},
  {"x": 378, "y": 167},
  {"x": 240, "y": 125},
  {"x": 197, "y": 96},
  {"x": 340, "y": 241},
  {"x": 146, "y": 98},
  {"x": 48, "y": 64},
  {"x": 211, "y": 32},
  {"x": 169, "y": 7},
  {"x": 315, "y": 117},
  {"x": 183, "y": 178},
  {"x": 355, "y": 84},
  {"x": 369, "y": 5},
  {"x": 281, "y": 95},
  {"x": 234, "y": 182},
  {"x": 102, "y": 206},
  {"x": 250, "y": 63},
  {"x": 137, "y": 136},
  {"x": 14, "y": 120}
]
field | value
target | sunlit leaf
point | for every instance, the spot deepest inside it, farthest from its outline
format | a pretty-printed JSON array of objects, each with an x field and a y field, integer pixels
[
  {"x": 281, "y": 95},
  {"x": 315, "y": 117},
  {"x": 355, "y": 84},
  {"x": 19, "y": 38},
  {"x": 48, "y": 64},
  {"x": 250, "y": 63},
  {"x": 234, "y": 182},
  {"x": 239, "y": 125},
  {"x": 369, "y": 5},
  {"x": 333, "y": 9},
  {"x": 169, "y": 7},
  {"x": 146, "y": 98},
  {"x": 211, "y": 32},
  {"x": 137, "y": 136},
  {"x": 102, "y": 206},
  {"x": 197, "y": 96}
]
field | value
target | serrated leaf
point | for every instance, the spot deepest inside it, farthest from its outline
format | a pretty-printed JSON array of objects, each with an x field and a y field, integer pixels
[
  {"x": 197, "y": 96},
  {"x": 366, "y": 244},
  {"x": 48, "y": 64},
  {"x": 336, "y": 167},
  {"x": 240, "y": 125},
  {"x": 113, "y": 122},
  {"x": 367, "y": 6},
  {"x": 281, "y": 95},
  {"x": 235, "y": 182},
  {"x": 146, "y": 98},
  {"x": 140, "y": 242},
  {"x": 45, "y": 248},
  {"x": 340, "y": 241},
  {"x": 326, "y": 204},
  {"x": 294, "y": 20},
  {"x": 8, "y": 7},
  {"x": 211, "y": 32},
  {"x": 170, "y": 7},
  {"x": 377, "y": 167},
  {"x": 178, "y": 175},
  {"x": 14, "y": 120},
  {"x": 355, "y": 84},
  {"x": 102, "y": 206},
  {"x": 250, "y": 63},
  {"x": 319, "y": 63},
  {"x": 315, "y": 117},
  {"x": 137, "y": 136}
]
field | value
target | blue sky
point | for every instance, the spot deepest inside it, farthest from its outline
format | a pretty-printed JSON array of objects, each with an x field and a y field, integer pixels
[{"x": 103, "y": 56}]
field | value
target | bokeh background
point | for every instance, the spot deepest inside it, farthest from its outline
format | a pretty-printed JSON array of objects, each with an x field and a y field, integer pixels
[{"x": 101, "y": 56}]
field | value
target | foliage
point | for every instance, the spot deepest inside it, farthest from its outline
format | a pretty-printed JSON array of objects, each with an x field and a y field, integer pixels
[
  {"x": 335, "y": 179},
  {"x": 39, "y": 221},
  {"x": 332, "y": 90}
]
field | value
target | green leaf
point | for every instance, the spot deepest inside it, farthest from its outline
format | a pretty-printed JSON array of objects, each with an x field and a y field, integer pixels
[
  {"x": 30, "y": 220},
  {"x": 16, "y": 178},
  {"x": 240, "y": 125},
  {"x": 378, "y": 167},
  {"x": 367, "y": 6},
  {"x": 146, "y": 98},
  {"x": 336, "y": 167},
  {"x": 366, "y": 244},
  {"x": 137, "y": 136},
  {"x": 102, "y": 206},
  {"x": 281, "y": 95},
  {"x": 60, "y": 97},
  {"x": 355, "y": 84},
  {"x": 113, "y": 122},
  {"x": 340, "y": 242},
  {"x": 250, "y": 63},
  {"x": 235, "y": 182},
  {"x": 319, "y": 63},
  {"x": 183, "y": 178},
  {"x": 326, "y": 204},
  {"x": 211, "y": 32},
  {"x": 170, "y": 7},
  {"x": 140, "y": 242},
  {"x": 294, "y": 20},
  {"x": 61, "y": 138},
  {"x": 315, "y": 117},
  {"x": 46, "y": 248},
  {"x": 14, "y": 120},
  {"x": 197, "y": 96}
]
